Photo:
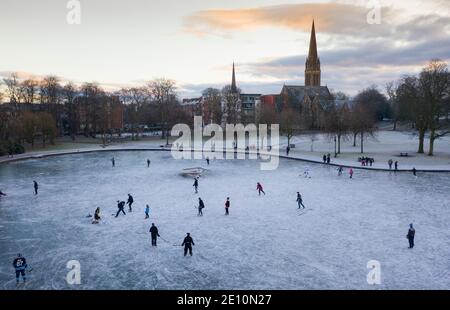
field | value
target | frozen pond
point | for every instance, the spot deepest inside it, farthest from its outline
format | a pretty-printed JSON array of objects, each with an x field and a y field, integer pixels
[{"x": 265, "y": 243}]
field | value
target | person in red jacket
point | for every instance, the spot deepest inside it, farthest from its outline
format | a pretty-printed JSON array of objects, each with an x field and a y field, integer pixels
[
  {"x": 227, "y": 206},
  {"x": 259, "y": 188}
]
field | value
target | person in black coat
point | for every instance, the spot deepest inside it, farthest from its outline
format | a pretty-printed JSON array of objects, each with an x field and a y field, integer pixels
[
  {"x": 188, "y": 243},
  {"x": 120, "y": 205},
  {"x": 196, "y": 185},
  {"x": 300, "y": 201},
  {"x": 36, "y": 187},
  {"x": 2, "y": 193},
  {"x": 411, "y": 234},
  {"x": 155, "y": 234},
  {"x": 130, "y": 202},
  {"x": 201, "y": 206}
]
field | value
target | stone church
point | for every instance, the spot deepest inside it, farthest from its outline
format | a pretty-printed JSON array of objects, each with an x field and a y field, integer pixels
[{"x": 312, "y": 98}]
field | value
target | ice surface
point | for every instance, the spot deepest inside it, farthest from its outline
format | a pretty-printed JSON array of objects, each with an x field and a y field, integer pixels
[{"x": 265, "y": 243}]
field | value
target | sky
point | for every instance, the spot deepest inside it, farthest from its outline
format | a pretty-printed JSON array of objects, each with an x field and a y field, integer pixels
[{"x": 194, "y": 42}]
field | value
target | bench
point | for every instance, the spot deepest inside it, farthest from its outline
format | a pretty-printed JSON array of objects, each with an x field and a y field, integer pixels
[{"x": 404, "y": 154}]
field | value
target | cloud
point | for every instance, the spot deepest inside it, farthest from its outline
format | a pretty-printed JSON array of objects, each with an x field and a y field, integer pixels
[{"x": 334, "y": 18}]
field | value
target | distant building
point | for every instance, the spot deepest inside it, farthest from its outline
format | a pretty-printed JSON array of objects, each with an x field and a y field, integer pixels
[
  {"x": 249, "y": 104},
  {"x": 312, "y": 98}
]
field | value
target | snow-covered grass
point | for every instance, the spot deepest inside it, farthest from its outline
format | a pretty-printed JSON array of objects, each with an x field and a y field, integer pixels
[{"x": 265, "y": 243}]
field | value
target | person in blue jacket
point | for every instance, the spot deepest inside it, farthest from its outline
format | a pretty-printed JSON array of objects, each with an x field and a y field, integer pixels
[{"x": 20, "y": 265}]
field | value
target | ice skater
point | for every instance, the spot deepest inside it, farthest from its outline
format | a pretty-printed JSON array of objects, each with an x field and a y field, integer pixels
[
  {"x": 148, "y": 163},
  {"x": 207, "y": 161},
  {"x": 20, "y": 265},
  {"x": 350, "y": 172},
  {"x": 196, "y": 185},
  {"x": 201, "y": 206},
  {"x": 97, "y": 217},
  {"x": 36, "y": 187},
  {"x": 306, "y": 173},
  {"x": 227, "y": 206},
  {"x": 188, "y": 242},
  {"x": 340, "y": 170},
  {"x": 411, "y": 235},
  {"x": 130, "y": 202},
  {"x": 147, "y": 211},
  {"x": 414, "y": 172},
  {"x": 155, "y": 234},
  {"x": 260, "y": 189},
  {"x": 113, "y": 162},
  {"x": 120, "y": 206},
  {"x": 300, "y": 201}
]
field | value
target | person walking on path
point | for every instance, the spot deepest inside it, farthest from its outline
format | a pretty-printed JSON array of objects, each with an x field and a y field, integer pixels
[
  {"x": 396, "y": 166},
  {"x": 288, "y": 150},
  {"x": 155, "y": 234},
  {"x": 227, "y": 206},
  {"x": 411, "y": 235},
  {"x": 300, "y": 201},
  {"x": 188, "y": 242},
  {"x": 328, "y": 159}
]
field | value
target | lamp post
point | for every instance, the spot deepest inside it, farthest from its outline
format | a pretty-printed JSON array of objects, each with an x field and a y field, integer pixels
[{"x": 335, "y": 147}]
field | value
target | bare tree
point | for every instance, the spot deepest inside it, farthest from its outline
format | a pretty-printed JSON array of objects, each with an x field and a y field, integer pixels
[
  {"x": 163, "y": 93},
  {"x": 213, "y": 100},
  {"x": 338, "y": 123},
  {"x": 13, "y": 88},
  {"x": 434, "y": 83},
  {"x": 289, "y": 123},
  {"x": 231, "y": 105},
  {"x": 28, "y": 90},
  {"x": 362, "y": 120},
  {"x": 69, "y": 92}
]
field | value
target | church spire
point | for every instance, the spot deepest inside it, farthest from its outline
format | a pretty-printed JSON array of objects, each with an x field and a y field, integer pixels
[
  {"x": 312, "y": 43},
  {"x": 312, "y": 70},
  {"x": 234, "y": 89}
]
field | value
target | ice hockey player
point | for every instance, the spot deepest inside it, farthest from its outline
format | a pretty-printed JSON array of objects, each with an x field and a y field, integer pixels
[
  {"x": 97, "y": 217},
  {"x": 201, "y": 206},
  {"x": 36, "y": 187},
  {"x": 227, "y": 206},
  {"x": 300, "y": 201},
  {"x": 130, "y": 202},
  {"x": 120, "y": 205},
  {"x": 260, "y": 189},
  {"x": 20, "y": 265},
  {"x": 155, "y": 234},
  {"x": 147, "y": 211},
  {"x": 411, "y": 234},
  {"x": 188, "y": 242},
  {"x": 196, "y": 185}
]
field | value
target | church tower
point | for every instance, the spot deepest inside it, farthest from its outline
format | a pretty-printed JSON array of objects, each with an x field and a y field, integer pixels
[{"x": 312, "y": 68}]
